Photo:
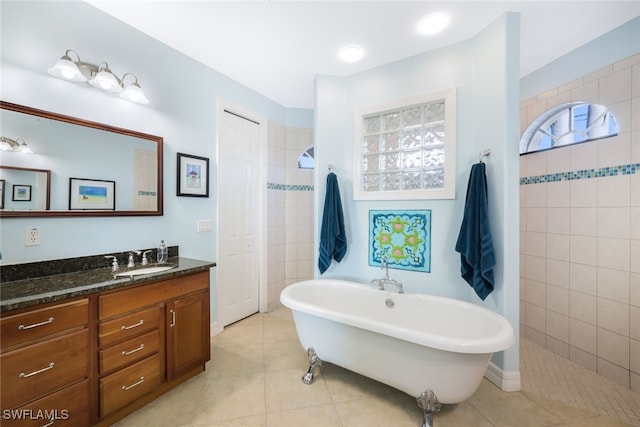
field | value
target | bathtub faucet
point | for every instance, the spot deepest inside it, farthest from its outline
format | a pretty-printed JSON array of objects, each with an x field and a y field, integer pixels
[{"x": 386, "y": 280}]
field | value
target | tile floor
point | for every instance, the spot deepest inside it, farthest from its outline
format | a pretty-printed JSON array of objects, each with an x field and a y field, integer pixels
[{"x": 253, "y": 380}]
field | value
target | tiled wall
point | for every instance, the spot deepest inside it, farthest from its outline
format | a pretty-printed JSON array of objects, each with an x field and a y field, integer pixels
[
  {"x": 580, "y": 232},
  {"x": 290, "y": 210}
]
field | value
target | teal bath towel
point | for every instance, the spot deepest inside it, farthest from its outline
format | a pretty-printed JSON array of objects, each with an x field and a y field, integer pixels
[
  {"x": 474, "y": 241},
  {"x": 333, "y": 240}
]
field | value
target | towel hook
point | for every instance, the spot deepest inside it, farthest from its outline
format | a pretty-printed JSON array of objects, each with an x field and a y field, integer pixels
[
  {"x": 331, "y": 168},
  {"x": 484, "y": 154}
]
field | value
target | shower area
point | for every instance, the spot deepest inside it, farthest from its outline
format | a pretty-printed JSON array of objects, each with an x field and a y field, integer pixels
[
  {"x": 289, "y": 208},
  {"x": 580, "y": 230}
]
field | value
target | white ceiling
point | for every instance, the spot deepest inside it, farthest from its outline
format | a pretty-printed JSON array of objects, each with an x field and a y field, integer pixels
[{"x": 277, "y": 47}]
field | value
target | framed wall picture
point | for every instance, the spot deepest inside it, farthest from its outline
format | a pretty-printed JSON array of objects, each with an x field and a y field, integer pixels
[
  {"x": 92, "y": 194},
  {"x": 21, "y": 193},
  {"x": 2, "y": 185},
  {"x": 193, "y": 176}
]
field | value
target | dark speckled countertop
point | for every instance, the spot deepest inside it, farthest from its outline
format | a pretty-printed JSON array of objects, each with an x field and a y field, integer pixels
[{"x": 27, "y": 292}]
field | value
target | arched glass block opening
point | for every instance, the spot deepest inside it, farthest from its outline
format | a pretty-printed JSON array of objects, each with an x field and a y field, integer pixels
[
  {"x": 306, "y": 161},
  {"x": 567, "y": 124}
]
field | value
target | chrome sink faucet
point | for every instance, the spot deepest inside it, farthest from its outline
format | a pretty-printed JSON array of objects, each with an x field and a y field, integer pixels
[
  {"x": 132, "y": 260},
  {"x": 145, "y": 260},
  {"x": 114, "y": 263}
]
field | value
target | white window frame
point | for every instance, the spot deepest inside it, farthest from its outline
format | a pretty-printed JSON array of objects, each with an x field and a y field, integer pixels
[{"x": 448, "y": 189}]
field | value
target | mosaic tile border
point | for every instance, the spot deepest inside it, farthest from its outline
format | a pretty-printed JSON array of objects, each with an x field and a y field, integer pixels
[
  {"x": 608, "y": 171},
  {"x": 288, "y": 187}
]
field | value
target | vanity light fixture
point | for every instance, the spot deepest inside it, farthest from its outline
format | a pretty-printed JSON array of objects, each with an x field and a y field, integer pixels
[
  {"x": 104, "y": 79},
  {"x": 133, "y": 92},
  {"x": 433, "y": 23},
  {"x": 19, "y": 145},
  {"x": 98, "y": 76}
]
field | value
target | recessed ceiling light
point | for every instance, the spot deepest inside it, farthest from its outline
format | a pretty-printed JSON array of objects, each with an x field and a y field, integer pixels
[
  {"x": 351, "y": 53},
  {"x": 433, "y": 23}
]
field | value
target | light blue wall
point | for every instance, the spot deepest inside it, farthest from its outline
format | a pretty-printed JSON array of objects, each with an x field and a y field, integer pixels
[
  {"x": 485, "y": 72},
  {"x": 611, "y": 47},
  {"x": 182, "y": 110},
  {"x": 183, "y": 96}
]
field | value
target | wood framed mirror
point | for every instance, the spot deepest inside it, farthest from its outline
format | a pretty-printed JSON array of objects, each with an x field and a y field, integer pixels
[{"x": 68, "y": 151}]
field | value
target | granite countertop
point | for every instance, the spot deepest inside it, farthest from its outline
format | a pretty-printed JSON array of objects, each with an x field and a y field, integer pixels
[{"x": 58, "y": 287}]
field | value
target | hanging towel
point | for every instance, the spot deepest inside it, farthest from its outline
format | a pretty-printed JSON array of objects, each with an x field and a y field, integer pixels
[
  {"x": 333, "y": 240},
  {"x": 474, "y": 241}
]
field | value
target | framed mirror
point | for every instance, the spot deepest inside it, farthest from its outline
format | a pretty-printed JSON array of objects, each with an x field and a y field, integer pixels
[{"x": 84, "y": 168}]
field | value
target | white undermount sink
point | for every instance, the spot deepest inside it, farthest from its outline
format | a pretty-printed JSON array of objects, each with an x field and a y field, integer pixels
[{"x": 148, "y": 270}]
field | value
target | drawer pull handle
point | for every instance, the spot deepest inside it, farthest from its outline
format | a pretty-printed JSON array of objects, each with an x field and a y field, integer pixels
[
  {"x": 173, "y": 318},
  {"x": 128, "y": 387},
  {"x": 126, "y": 353},
  {"x": 35, "y": 325},
  {"x": 39, "y": 371},
  {"x": 135, "y": 325}
]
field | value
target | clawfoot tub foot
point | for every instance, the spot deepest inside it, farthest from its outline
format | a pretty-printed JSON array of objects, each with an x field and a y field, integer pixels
[
  {"x": 428, "y": 402},
  {"x": 314, "y": 362}
]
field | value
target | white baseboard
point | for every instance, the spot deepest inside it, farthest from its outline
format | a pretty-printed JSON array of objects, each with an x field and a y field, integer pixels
[
  {"x": 507, "y": 381},
  {"x": 215, "y": 329}
]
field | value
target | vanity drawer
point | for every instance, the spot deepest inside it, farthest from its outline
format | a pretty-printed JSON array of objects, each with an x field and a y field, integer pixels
[
  {"x": 38, "y": 369},
  {"x": 129, "y": 351},
  {"x": 25, "y": 327},
  {"x": 123, "y": 387},
  {"x": 128, "y": 326},
  {"x": 121, "y": 302},
  {"x": 68, "y": 407}
]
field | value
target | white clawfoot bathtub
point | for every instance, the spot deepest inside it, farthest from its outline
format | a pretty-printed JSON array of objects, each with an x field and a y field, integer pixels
[{"x": 421, "y": 343}]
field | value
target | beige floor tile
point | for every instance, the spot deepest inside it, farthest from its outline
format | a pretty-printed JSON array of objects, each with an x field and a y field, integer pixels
[
  {"x": 285, "y": 390},
  {"x": 560, "y": 411},
  {"x": 160, "y": 414},
  {"x": 387, "y": 411},
  {"x": 240, "y": 334},
  {"x": 313, "y": 416},
  {"x": 189, "y": 391},
  {"x": 230, "y": 397},
  {"x": 283, "y": 355},
  {"x": 510, "y": 409},
  {"x": 277, "y": 329},
  {"x": 282, "y": 313},
  {"x": 548, "y": 375},
  {"x": 253, "y": 421},
  {"x": 596, "y": 421},
  {"x": 232, "y": 360},
  {"x": 462, "y": 414}
]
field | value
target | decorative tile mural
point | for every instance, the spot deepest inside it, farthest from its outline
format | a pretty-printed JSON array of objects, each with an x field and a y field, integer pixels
[{"x": 403, "y": 237}]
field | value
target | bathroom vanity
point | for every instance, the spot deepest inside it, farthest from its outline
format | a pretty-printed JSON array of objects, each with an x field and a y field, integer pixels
[{"x": 84, "y": 348}]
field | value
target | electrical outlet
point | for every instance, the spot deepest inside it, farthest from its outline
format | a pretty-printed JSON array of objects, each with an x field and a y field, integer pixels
[
  {"x": 32, "y": 237},
  {"x": 205, "y": 225}
]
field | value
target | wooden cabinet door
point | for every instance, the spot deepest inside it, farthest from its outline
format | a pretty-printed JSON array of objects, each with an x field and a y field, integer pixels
[{"x": 187, "y": 333}]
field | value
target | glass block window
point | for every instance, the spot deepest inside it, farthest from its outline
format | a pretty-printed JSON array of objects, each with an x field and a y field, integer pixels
[
  {"x": 567, "y": 124},
  {"x": 407, "y": 149}
]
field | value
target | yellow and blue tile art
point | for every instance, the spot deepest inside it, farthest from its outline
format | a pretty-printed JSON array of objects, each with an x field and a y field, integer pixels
[{"x": 402, "y": 237}]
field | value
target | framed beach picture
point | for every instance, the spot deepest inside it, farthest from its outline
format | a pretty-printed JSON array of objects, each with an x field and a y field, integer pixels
[
  {"x": 21, "y": 193},
  {"x": 193, "y": 176},
  {"x": 92, "y": 194}
]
